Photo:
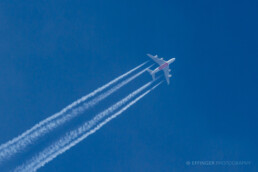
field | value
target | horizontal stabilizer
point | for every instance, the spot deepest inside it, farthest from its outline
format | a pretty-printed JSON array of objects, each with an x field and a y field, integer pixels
[{"x": 152, "y": 74}]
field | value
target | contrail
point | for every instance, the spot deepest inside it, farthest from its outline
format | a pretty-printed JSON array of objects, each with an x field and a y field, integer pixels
[
  {"x": 17, "y": 144},
  {"x": 76, "y": 136}
]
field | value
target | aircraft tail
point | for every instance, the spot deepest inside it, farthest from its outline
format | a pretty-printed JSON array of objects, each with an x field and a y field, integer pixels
[{"x": 152, "y": 73}]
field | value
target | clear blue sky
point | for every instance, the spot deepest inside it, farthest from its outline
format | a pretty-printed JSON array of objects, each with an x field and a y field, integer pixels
[{"x": 53, "y": 52}]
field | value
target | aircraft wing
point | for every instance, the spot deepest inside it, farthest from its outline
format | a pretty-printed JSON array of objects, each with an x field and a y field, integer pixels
[
  {"x": 166, "y": 73},
  {"x": 156, "y": 59}
]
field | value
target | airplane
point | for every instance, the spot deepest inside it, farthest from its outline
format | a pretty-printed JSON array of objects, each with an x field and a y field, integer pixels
[{"x": 163, "y": 65}]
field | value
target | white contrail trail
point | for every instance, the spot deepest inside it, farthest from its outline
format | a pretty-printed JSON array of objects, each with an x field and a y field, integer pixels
[
  {"x": 61, "y": 120},
  {"x": 76, "y": 136},
  {"x": 20, "y": 142}
]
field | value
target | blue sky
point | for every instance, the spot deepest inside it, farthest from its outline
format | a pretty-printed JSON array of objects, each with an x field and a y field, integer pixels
[{"x": 53, "y": 52}]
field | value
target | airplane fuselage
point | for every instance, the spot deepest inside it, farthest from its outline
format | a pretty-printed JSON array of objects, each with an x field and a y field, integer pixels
[{"x": 161, "y": 67}]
